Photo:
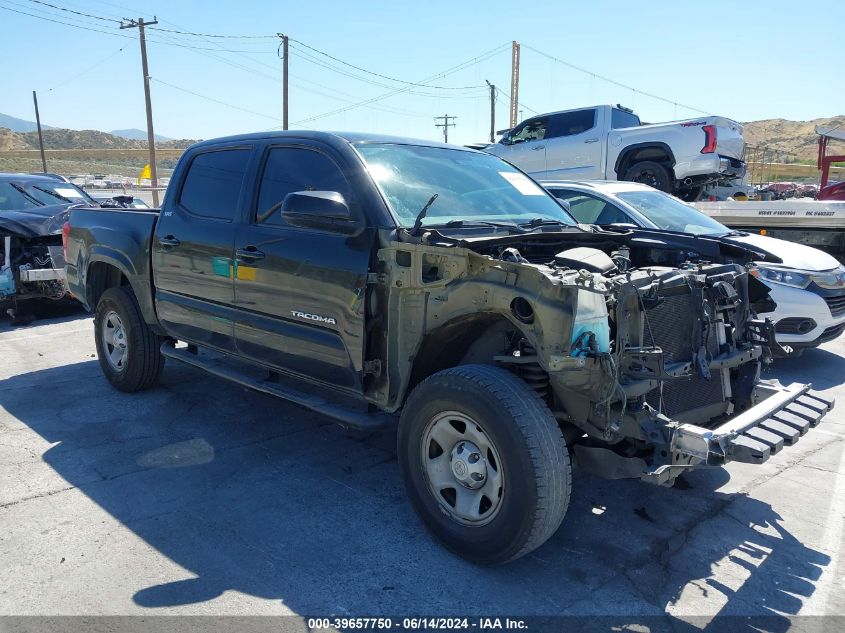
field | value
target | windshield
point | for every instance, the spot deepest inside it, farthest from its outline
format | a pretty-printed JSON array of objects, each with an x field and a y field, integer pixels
[
  {"x": 57, "y": 193},
  {"x": 671, "y": 214},
  {"x": 470, "y": 186}
]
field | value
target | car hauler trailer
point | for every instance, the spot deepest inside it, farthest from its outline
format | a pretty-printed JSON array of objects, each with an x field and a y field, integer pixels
[{"x": 816, "y": 223}]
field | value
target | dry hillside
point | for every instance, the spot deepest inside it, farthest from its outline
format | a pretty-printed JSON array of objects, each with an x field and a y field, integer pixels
[
  {"x": 796, "y": 138},
  {"x": 59, "y": 138}
]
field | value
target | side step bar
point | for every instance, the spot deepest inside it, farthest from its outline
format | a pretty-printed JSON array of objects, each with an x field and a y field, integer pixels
[{"x": 344, "y": 416}]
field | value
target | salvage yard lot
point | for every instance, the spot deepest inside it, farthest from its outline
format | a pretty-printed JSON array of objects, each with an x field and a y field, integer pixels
[{"x": 199, "y": 497}]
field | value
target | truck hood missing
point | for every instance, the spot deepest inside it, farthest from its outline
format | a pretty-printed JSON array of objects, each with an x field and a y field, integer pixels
[{"x": 627, "y": 346}]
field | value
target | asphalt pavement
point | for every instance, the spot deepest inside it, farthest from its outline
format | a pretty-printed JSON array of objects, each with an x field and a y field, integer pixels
[{"x": 199, "y": 497}]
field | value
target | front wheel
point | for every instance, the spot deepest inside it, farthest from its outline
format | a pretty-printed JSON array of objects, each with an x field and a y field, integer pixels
[
  {"x": 484, "y": 463},
  {"x": 128, "y": 350},
  {"x": 650, "y": 173}
]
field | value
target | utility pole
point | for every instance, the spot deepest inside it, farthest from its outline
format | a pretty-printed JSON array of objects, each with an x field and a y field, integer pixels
[
  {"x": 284, "y": 80},
  {"x": 140, "y": 24},
  {"x": 492, "y": 112},
  {"x": 40, "y": 137},
  {"x": 445, "y": 125},
  {"x": 514, "y": 82}
]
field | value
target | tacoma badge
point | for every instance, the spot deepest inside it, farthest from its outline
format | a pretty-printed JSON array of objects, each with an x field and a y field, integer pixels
[{"x": 313, "y": 317}]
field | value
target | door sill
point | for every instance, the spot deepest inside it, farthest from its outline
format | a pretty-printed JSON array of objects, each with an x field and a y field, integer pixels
[{"x": 343, "y": 410}]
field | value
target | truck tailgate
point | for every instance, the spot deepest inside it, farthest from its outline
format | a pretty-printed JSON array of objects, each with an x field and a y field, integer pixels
[{"x": 729, "y": 141}]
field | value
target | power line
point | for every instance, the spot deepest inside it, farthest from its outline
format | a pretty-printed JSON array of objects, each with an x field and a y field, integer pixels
[
  {"x": 522, "y": 105},
  {"x": 89, "y": 27},
  {"x": 370, "y": 72},
  {"x": 212, "y": 99},
  {"x": 614, "y": 82},
  {"x": 475, "y": 60},
  {"x": 88, "y": 15},
  {"x": 274, "y": 78},
  {"x": 309, "y": 58},
  {"x": 206, "y": 35},
  {"x": 87, "y": 70},
  {"x": 77, "y": 26}
]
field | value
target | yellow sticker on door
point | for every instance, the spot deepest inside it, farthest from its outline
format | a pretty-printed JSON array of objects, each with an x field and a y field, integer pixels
[{"x": 245, "y": 273}]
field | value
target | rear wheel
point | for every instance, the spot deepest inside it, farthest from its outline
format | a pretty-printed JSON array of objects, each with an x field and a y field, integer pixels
[
  {"x": 650, "y": 173},
  {"x": 128, "y": 350},
  {"x": 484, "y": 463}
]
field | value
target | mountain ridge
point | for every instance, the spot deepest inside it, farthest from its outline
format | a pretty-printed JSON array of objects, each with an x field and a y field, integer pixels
[{"x": 793, "y": 141}]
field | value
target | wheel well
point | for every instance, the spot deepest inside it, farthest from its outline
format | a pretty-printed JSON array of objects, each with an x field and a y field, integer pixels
[
  {"x": 472, "y": 339},
  {"x": 659, "y": 153},
  {"x": 102, "y": 276}
]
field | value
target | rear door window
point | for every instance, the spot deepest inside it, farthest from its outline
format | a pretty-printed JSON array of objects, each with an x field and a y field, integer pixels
[
  {"x": 571, "y": 123},
  {"x": 621, "y": 118},
  {"x": 212, "y": 187},
  {"x": 588, "y": 209},
  {"x": 290, "y": 169}
]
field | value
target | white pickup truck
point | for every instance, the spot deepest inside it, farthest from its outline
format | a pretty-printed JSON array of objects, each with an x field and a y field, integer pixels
[{"x": 610, "y": 143}]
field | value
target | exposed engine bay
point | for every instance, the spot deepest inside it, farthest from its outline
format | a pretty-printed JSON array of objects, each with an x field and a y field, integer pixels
[
  {"x": 640, "y": 352},
  {"x": 31, "y": 268},
  {"x": 32, "y": 258}
]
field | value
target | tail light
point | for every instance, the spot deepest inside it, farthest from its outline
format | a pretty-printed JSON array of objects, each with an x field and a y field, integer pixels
[
  {"x": 65, "y": 236},
  {"x": 709, "y": 139}
]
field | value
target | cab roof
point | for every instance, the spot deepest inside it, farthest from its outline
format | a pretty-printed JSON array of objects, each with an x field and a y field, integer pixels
[{"x": 331, "y": 138}]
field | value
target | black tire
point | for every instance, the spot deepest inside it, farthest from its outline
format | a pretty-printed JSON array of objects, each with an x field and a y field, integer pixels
[
  {"x": 143, "y": 362},
  {"x": 652, "y": 174},
  {"x": 535, "y": 470}
]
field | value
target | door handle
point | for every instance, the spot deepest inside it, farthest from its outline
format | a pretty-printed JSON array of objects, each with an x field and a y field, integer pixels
[
  {"x": 169, "y": 240},
  {"x": 536, "y": 147},
  {"x": 592, "y": 140},
  {"x": 249, "y": 253}
]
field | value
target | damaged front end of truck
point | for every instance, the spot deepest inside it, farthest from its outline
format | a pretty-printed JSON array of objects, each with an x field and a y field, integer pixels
[
  {"x": 649, "y": 369},
  {"x": 31, "y": 256}
]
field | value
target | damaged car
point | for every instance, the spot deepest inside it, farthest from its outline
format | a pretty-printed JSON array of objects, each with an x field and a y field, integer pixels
[
  {"x": 33, "y": 211},
  {"x": 389, "y": 282}
]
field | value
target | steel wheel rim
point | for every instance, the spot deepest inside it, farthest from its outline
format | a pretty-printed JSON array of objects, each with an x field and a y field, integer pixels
[
  {"x": 115, "y": 344},
  {"x": 462, "y": 468},
  {"x": 648, "y": 177}
]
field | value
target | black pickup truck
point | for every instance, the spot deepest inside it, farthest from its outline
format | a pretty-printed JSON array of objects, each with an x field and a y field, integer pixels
[{"x": 384, "y": 281}]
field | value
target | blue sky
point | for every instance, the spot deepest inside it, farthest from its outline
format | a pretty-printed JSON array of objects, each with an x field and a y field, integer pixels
[{"x": 748, "y": 61}]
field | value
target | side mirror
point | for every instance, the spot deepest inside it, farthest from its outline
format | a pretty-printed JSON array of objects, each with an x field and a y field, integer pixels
[
  {"x": 321, "y": 210},
  {"x": 565, "y": 204}
]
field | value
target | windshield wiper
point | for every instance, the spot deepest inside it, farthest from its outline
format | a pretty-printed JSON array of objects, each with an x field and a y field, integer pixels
[
  {"x": 418, "y": 222},
  {"x": 26, "y": 194},
  {"x": 734, "y": 234},
  {"x": 539, "y": 222},
  {"x": 52, "y": 193},
  {"x": 459, "y": 224}
]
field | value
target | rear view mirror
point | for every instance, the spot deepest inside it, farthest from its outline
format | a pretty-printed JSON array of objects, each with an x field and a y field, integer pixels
[{"x": 321, "y": 210}]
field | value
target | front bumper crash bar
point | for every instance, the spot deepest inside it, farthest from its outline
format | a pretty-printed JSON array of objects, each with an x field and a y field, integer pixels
[{"x": 758, "y": 433}]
